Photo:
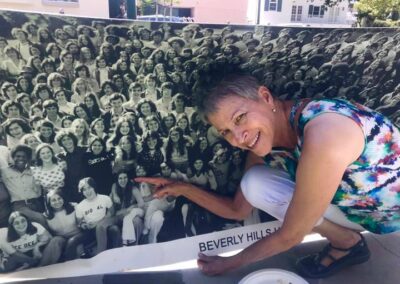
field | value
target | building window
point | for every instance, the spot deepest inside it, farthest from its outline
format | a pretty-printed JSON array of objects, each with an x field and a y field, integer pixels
[
  {"x": 273, "y": 5},
  {"x": 297, "y": 12},
  {"x": 316, "y": 11}
]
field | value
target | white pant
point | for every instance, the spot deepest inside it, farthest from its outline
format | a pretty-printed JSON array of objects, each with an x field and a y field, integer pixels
[
  {"x": 128, "y": 228},
  {"x": 154, "y": 216},
  {"x": 154, "y": 205},
  {"x": 271, "y": 190}
]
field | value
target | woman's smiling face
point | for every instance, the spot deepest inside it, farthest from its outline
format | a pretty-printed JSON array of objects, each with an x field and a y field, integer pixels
[
  {"x": 203, "y": 144},
  {"x": 174, "y": 135},
  {"x": 125, "y": 144},
  {"x": 16, "y": 130},
  {"x": 152, "y": 125},
  {"x": 67, "y": 142},
  {"x": 145, "y": 109},
  {"x": 79, "y": 128},
  {"x": 67, "y": 123},
  {"x": 32, "y": 142},
  {"x": 13, "y": 112},
  {"x": 108, "y": 90},
  {"x": 151, "y": 143},
  {"x": 81, "y": 87},
  {"x": 247, "y": 124},
  {"x": 56, "y": 202},
  {"x": 183, "y": 123},
  {"x": 11, "y": 92},
  {"x": 122, "y": 179},
  {"x": 20, "y": 225},
  {"x": 124, "y": 128},
  {"x": 99, "y": 126},
  {"x": 24, "y": 83},
  {"x": 169, "y": 121},
  {"x": 45, "y": 154},
  {"x": 60, "y": 96},
  {"x": 37, "y": 112},
  {"x": 97, "y": 147},
  {"x": 46, "y": 131},
  {"x": 89, "y": 102},
  {"x": 136, "y": 59}
]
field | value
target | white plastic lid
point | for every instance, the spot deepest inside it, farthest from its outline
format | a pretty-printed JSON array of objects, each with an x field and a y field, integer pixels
[{"x": 273, "y": 276}]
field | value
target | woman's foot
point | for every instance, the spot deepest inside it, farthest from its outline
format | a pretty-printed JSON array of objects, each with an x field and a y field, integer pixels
[
  {"x": 332, "y": 259},
  {"x": 344, "y": 249}
]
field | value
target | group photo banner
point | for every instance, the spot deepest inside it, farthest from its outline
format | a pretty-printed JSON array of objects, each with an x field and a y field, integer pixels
[{"x": 88, "y": 105}]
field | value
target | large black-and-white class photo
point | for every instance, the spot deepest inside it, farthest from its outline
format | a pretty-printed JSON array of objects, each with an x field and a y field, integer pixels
[{"x": 88, "y": 105}]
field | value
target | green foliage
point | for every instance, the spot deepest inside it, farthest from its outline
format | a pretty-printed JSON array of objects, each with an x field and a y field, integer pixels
[
  {"x": 381, "y": 24},
  {"x": 377, "y": 9},
  {"x": 162, "y": 2},
  {"x": 148, "y": 7},
  {"x": 148, "y": 3},
  {"x": 386, "y": 23}
]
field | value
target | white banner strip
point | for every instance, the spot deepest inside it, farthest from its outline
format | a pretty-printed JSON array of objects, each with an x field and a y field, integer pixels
[{"x": 144, "y": 256}]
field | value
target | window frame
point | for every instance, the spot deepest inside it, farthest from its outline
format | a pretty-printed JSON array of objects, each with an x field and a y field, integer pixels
[
  {"x": 275, "y": 3},
  {"x": 296, "y": 13},
  {"x": 312, "y": 11}
]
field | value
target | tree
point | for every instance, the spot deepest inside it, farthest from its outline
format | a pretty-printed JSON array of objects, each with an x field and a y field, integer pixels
[
  {"x": 378, "y": 9},
  {"x": 151, "y": 7},
  {"x": 147, "y": 7}
]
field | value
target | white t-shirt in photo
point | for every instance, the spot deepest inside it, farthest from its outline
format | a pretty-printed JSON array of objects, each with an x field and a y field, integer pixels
[{"x": 92, "y": 211}]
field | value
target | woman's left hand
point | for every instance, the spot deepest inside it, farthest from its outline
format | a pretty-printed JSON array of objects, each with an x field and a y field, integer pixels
[{"x": 214, "y": 265}]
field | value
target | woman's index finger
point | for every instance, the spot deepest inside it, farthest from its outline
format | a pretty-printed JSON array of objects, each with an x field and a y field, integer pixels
[{"x": 152, "y": 180}]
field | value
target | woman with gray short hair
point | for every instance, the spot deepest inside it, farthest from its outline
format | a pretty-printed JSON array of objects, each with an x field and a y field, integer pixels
[{"x": 340, "y": 169}]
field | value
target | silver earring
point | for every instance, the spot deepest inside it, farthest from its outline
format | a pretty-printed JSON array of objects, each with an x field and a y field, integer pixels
[{"x": 274, "y": 110}]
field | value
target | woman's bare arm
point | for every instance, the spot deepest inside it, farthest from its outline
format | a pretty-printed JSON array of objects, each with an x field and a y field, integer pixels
[
  {"x": 233, "y": 208},
  {"x": 138, "y": 197},
  {"x": 331, "y": 143}
]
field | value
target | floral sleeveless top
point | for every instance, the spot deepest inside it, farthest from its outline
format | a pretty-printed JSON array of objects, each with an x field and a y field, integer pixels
[{"x": 369, "y": 193}]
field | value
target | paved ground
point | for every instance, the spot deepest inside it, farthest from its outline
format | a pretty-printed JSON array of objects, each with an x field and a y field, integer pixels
[{"x": 382, "y": 268}]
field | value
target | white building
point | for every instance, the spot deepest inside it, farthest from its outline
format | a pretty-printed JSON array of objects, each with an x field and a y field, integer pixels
[
  {"x": 305, "y": 12},
  {"x": 271, "y": 12}
]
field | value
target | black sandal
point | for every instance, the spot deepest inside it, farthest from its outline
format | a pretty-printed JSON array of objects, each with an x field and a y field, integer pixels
[{"x": 311, "y": 267}]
